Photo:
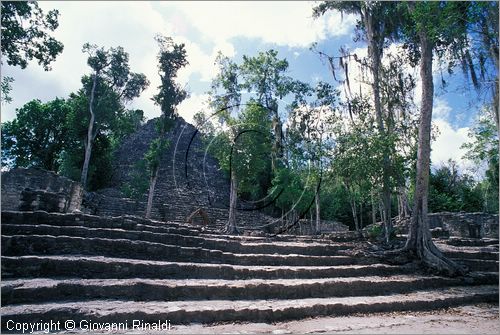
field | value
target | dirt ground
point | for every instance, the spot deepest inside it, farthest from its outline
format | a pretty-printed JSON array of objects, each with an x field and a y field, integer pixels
[{"x": 476, "y": 319}]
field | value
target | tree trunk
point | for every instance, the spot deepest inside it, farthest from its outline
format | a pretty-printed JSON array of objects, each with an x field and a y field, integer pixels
[
  {"x": 387, "y": 208},
  {"x": 400, "y": 206},
  {"x": 277, "y": 154},
  {"x": 301, "y": 226},
  {"x": 233, "y": 199},
  {"x": 374, "y": 210},
  {"x": 381, "y": 211},
  {"x": 283, "y": 218},
  {"x": 355, "y": 216},
  {"x": 493, "y": 50},
  {"x": 361, "y": 215},
  {"x": 496, "y": 107},
  {"x": 152, "y": 185},
  {"x": 419, "y": 242},
  {"x": 375, "y": 54},
  {"x": 405, "y": 212},
  {"x": 90, "y": 136},
  {"x": 318, "y": 213},
  {"x": 311, "y": 221}
]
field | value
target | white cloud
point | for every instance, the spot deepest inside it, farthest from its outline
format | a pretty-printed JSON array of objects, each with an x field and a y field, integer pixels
[
  {"x": 134, "y": 24},
  {"x": 131, "y": 25},
  {"x": 449, "y": 140},
  {"x": 441, "y": 109},
  {"x": 192, "y": 105},
  {"x": 315, "y": 78},
  {"x": 279, "y": 22},
  {"x": 203, "y": 63}
]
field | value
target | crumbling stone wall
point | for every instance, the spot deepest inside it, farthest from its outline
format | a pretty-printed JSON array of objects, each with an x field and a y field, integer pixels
[
  {"x": 332, "y": 226},
  {"x": 37, "y": 189},
  {"x": 307, "y": 227},
  {"x": 462, "y": 224}
]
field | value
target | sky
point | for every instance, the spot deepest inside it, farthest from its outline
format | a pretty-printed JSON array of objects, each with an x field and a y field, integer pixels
[{"x": 235, "y": 29}]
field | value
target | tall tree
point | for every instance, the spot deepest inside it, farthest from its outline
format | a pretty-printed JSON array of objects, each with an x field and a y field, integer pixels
[
  {"x": 480, "y": 60},
  {"x": 37, "y": 136},
  {"x": 112, "y": 123},
  {"x": 376, "y": 26},
  {"x": 307, "y": 136},
  {"x": 265, "y": 76},
  {"x": 354, "y": 170},
  {"x": 225, "y": 99},
  {"x": 430, "y": 24},
  {"x": 171, "y": 58},
  {"x": 482, "y": 150},
  {"x": 111, "y": 68},
  {"x": 26, "y": 36},
  {"x": 265, "y": 79}
]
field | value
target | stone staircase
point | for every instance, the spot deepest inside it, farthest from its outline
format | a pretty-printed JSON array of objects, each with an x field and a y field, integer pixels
[{"x": 58, "y": 267}]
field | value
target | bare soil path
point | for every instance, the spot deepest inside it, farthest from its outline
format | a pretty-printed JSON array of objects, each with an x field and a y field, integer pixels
[{"x": 472, "y": 319}]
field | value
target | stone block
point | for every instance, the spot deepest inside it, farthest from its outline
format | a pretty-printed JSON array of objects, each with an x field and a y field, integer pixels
[{"x": 38, "y": 189}]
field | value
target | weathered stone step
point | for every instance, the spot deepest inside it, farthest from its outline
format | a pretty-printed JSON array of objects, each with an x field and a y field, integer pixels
[
  {"x": 280, "y": 238},
  {"x": 90, "y": 221},
  {"x": 105, "y": 267},
  {"x": 462, "y": 242},
  {"x": 210, "y": 311},
  {"x": 18, "y": 245},
  {"x": 177, "y": 239},
  {"x": 31, "y": 291},
  {"x": 480, "y": 255},
  {"x": 479, "y": 264}
]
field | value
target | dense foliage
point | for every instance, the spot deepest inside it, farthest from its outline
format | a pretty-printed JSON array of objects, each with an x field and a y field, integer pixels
[
  {"x": 50, "y": 136},
  {"x": 25, "y": 37}
]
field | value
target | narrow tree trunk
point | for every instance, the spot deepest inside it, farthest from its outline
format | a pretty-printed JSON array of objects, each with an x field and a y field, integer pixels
[
  {"x": 374, "y": 210},
  {"x": 493, "y": 49},
  {"x": 495, "y": 105},
  {"x": 282, "y": 218},
  {"x": 318, "y": 213},
  {"x": 381, "y": 211},
  {"x": 361, "y": 215},
  {"x": 375, "y": 54},
  {"x": 404, "y": 202},
  {"x": 152, "y": 185},
  {"x": 386, "y": 206},
  {"x": 496, "y": 111},
  {"x": 90, "y": 136},
  {"x": 277, "y": 154},
  {"x": 287, "y": 222},
  {"x": 233, "y": 198},
  {"x": 294, "y": 220},
  {"x": 301, "y": 227},
  {"x": 400, "y": 207},
  {"x": 311, "y": 222},
  {"x": 419, "y": 241},
  {"x": 355, "y": 216}
]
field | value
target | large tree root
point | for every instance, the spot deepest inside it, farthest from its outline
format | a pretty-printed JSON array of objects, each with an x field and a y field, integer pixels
[
  {"x": 231, "y": 230},
  {"x": 429, "y": 256},
  {"x": 434, "y": 259}
]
